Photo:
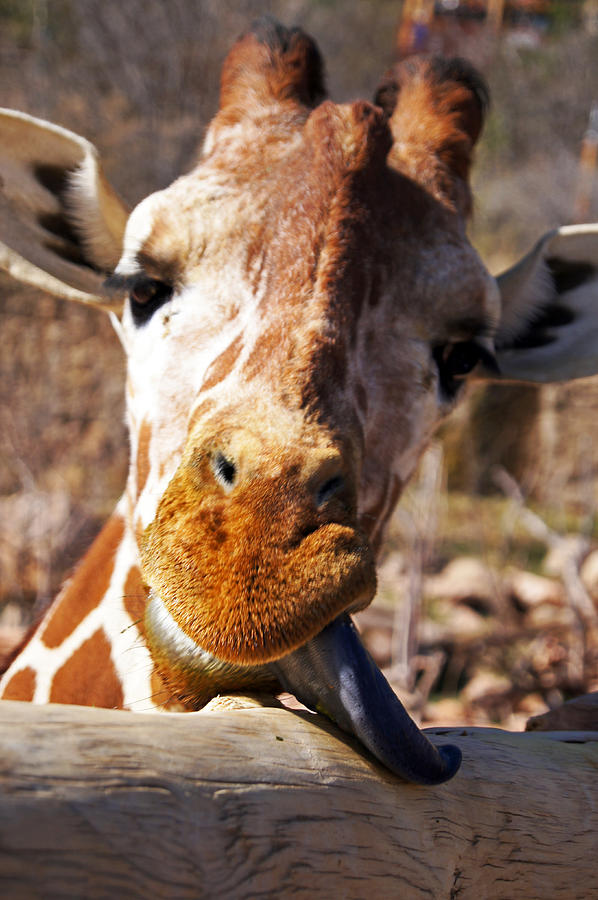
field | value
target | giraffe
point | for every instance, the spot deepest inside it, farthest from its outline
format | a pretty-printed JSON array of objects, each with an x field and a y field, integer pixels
[{"x": 298, "y": 313}]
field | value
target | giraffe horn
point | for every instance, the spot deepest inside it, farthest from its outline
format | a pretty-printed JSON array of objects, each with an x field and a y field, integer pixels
[
  {"x": 436, "y": 106},
  {"x": 270, "y": 64},
  {"x": 334, "y": 675}
]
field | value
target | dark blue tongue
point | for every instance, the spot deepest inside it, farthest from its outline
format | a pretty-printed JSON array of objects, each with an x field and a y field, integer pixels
[{"x": 334, "y": 675}]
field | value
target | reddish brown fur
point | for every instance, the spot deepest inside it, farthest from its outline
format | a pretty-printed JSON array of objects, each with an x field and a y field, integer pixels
[
  {"x": 135, "y": 597},
  {"x": 21, "y": 686},
  {"x": 341, "y": 160},
  {"x": 87, "y": 587},
  {"x": 89, "y": 676},
  {"x": 265, "y": 348},
  {"x": 289, "y": 568},
  {"x": 435, "y": 106},
  {"x": 143, "y": 461},
  {"x": 272, "y": 66},
  {"x": 223, "y": 364},
  {"x": 161, "y": 695}
]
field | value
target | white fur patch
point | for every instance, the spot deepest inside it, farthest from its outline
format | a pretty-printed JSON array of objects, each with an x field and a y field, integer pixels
[
  {"x": 96, "y": 214},
  {"x": 139, "y": 227}
]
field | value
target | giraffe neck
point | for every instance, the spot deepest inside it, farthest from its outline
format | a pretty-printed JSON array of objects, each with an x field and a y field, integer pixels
[{"x": 89, "y": 647}]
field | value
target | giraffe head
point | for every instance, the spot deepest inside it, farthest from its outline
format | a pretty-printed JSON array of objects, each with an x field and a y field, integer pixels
[
  {"x": 303, "y": 309},
  {"x": 303, "y": 304}
]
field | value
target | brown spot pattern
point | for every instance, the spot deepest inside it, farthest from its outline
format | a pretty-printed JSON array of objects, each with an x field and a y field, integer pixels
[
  {"x": 21, "y": 686},
  {"x": 89, "y": 677},
  {"x": 87, "y": 587},
  {"x": 143, "y": 463},
  {"x": 135, "y": 598},
  {"x": 223, "y": 364},
  {"x": 264, "y": 348},
  {"x": 161, "y": 695}
]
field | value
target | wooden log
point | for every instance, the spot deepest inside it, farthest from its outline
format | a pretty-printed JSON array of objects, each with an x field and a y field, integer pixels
[{"x": 275, "y": 803}]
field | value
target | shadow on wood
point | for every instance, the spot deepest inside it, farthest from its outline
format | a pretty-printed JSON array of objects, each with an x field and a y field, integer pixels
[{"x": 269, "y": 802}]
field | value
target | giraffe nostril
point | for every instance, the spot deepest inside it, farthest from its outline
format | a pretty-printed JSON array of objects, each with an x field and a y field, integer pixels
[
  {"x": 224, "y": 470},
  {"x": 330, "y": 488}
]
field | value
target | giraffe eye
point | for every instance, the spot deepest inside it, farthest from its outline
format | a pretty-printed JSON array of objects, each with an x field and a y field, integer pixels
[
  {"x": 455, "y": 361},
  {"x": 146, "y": 296},
  {"x": 460, "y": 358}
]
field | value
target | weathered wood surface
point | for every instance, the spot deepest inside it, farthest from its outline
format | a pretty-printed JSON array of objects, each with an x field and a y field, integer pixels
[{"x": 268, "y": 802}]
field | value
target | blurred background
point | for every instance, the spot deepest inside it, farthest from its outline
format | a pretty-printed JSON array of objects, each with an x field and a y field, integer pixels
[{"x": 487, "y": 605}]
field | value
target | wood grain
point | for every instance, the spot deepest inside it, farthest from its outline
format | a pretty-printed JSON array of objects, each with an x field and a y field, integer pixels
[{"x": 276, "y": 803}]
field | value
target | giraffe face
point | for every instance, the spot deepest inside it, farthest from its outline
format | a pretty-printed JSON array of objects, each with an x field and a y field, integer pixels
[
  {"x": 303, "y": 309},
  {"x": 300, "y": 315}
]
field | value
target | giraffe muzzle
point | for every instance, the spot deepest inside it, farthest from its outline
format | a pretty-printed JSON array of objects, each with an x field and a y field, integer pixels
[{"x": 333, "y": 674}]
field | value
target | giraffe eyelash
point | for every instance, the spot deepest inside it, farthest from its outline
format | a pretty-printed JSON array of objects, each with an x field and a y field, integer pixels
[
  {"x": 455, "y": 361},
  {"x": 146, "y": 294}
]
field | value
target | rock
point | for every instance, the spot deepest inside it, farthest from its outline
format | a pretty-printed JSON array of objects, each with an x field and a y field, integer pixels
[
  {"x": 393, "y": 579},
  {"x": 375, "y": 624},
  {"x": 448, "y": 711},
  {"x": 547, "y": 615},
  {"x": 589, "y": 574},
  {"x": 532, "y": 704},
  {"x": 453, "y": 624},
  {"x": 535, "y": 590},
  {"x": 463, "y": 578},
  {"x": 570, "y": 547},
  {"x": 486, "y": 685},
  {"x": 515, "y": 721},
  {"x": 580, "y": 714}
]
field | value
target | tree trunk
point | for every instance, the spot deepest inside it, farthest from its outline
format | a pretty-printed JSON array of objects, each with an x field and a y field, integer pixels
[{"x": 277, "y": 803}]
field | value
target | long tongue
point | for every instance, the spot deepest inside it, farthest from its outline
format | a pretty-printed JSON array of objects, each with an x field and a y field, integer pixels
[{"x": 334, "y": 675}]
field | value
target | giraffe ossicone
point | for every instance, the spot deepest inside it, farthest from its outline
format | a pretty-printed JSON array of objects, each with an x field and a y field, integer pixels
[{"x": 299, "y": 312}]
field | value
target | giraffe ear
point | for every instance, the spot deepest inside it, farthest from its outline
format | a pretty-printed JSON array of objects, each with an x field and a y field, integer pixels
[
  {"x": 549, "y": 322},
  {"x": 270, "y": 64},
  {"x": 436, "y": 109},
  {"x": 61, "y": 224}
]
